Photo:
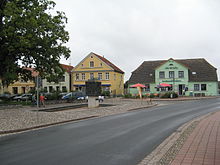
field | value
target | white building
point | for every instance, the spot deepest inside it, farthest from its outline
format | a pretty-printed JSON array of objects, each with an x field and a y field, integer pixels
[{"x": 63, "y": 85}]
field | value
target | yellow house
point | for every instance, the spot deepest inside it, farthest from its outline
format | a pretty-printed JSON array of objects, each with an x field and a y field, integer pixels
[
  {"x": 96, "y": 67},
  {"x": 20, "y": 86}
]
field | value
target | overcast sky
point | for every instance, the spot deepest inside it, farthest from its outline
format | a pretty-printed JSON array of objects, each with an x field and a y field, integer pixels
[{"x": 128, "y": 32}]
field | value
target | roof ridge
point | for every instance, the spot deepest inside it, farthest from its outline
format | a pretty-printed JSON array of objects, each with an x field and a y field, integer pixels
[{"x": 117, "y": 69}]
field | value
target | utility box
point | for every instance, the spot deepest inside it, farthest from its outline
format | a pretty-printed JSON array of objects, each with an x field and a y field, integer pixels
[{"x": 93, "y": 90}]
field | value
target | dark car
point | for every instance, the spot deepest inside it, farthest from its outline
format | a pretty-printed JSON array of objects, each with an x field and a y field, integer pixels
[{"x": 74, "y": 96}]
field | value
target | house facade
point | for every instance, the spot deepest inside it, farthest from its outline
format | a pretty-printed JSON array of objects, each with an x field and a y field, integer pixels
[
  {"x": 64, "y": 84},
  {"x": 96, "y": 67},
  {"x": 20, "y": 86},
  {"x": 188, "y": 77}
]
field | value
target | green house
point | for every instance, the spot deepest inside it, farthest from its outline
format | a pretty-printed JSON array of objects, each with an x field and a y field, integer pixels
[{"x": 186, "y": 77}]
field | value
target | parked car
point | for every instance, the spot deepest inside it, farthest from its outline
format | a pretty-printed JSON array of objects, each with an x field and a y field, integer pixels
[
  {"x": 23, "y": 97},
  {"x": 5, "y": 97},
  {"x": 74, "y": 96}
]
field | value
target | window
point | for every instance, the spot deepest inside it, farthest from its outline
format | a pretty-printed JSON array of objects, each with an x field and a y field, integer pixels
[
  {"x": 100, "y": 64},
  {"x": 196, "y": 87},
  {"x": 77, "y": 76},
  {"x": 83, "y": 76},
  {"x": 91, "y": 76},
  {"x": 100, "y": 76},
  {"x": 114, "y": 76},
  {"x": 23, "y": 90},
  {"x": 62, "y": 79},
  {"x": 45, "y": 89},
  {"x": 64, "y": 89},
  {"x": 107, "y": 76},
  {"x": 181, "y": 74},
  {"x": 147, "y": 87},
  {"x": 15, "y": 90},
  {"x": 171, "y": 74},
  {"x": 161, "y": 74},
  {"x": 91, "y": 64},
  {"x": 203, "y": 87},
  {"x": 50, "y": 89},
  {"x": 57, "y": 88}
]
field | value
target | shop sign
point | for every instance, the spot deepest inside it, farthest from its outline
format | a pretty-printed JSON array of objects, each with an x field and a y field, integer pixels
[
  {"x": 171, "y": 67},
  {"x": 171, "y": 81}
]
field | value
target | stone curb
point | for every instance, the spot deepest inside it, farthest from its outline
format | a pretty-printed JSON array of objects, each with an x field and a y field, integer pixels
[
  {"x": 2, "y": 133},
  {"x": 177, "y": 99},
  {"x": 45, "y": 125},
  {"x": 167, "y": 150}
]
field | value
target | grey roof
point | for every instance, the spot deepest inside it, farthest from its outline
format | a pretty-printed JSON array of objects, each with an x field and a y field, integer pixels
[{"x": 145, "y": 73}]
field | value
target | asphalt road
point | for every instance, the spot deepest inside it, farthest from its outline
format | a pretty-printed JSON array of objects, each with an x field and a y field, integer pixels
[{"x": 123, "y": 139}]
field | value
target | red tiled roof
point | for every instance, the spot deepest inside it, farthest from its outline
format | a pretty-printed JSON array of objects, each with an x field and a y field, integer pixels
[
  {"x": 33, "y": 72},
  {"x": 116, "y": 69},
  {"x": 68, "y": 68}
]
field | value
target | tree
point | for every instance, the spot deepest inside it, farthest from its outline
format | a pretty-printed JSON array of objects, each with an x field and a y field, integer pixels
[{"x": 31, "y": 36}]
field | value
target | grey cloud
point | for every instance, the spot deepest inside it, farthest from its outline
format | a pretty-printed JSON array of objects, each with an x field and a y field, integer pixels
[{"x": 129, "y": 32}]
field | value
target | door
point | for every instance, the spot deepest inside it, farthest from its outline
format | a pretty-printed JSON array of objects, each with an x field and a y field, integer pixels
[{"x": 181, "y": 89}]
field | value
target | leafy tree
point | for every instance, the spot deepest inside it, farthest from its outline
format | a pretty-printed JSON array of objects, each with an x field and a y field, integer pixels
[{"x": 31, "y": 36}]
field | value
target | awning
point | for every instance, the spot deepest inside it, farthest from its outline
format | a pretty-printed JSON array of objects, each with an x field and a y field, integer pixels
[
  {"x": 82, "y": 85},
  {"x": 138, "y": 85},
  {"x": 106, "y": 85},
  {"x": 163, "y": 85}
]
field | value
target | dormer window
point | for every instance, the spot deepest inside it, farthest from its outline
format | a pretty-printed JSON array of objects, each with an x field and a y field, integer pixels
[
  {"x": 170, "y": 64},
  {"x": 91, "y": 64}
]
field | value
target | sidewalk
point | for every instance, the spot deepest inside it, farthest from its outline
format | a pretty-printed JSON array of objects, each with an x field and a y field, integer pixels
[{"x": 202, "y": 147}]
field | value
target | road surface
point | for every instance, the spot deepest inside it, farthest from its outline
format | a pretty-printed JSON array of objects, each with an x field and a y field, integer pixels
[{"x": 123, "y": 139}]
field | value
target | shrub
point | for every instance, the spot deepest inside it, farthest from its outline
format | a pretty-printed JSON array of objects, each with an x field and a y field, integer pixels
[
  {"x": 168, "y": 95},
  {"x": 152, "y": 95},
  {"x": 128, "y": 95},
  {"x": 106, "y": 93}
]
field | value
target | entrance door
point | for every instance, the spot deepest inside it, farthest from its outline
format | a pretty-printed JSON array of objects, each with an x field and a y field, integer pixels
[{"x": 181, "y": 88}]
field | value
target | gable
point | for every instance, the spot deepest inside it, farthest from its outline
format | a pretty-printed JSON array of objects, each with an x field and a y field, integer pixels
[
  {"x": 100, "y": 63},
  {"x": 84, "y": 65},
  {"x": 171, "y": 65}
]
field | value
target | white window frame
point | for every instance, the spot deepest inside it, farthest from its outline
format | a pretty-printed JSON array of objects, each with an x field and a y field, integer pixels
[
  {"x": 107, "y": 76},
  {"x": 83, "y": 76},
  {"x": 100, "y": 76}
]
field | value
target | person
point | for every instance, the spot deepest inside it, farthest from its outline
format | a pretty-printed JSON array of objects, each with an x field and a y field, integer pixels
[
  {"x": 34, "y": 99},
  {"x": 42, "y": 100}
]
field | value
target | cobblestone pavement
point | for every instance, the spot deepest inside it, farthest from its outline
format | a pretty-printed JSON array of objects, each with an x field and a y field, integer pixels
[
  {"x": 25, "y": 117},
  {"x": 202, "y": 147}
]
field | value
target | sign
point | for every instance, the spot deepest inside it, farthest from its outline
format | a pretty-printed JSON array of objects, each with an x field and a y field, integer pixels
[
  {"x": 171, "y": 81},
  {"x": 93, "y": 88},
  {"x": 171, "y": 67}
]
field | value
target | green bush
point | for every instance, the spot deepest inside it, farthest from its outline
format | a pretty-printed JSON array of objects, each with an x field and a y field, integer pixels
[
  {"x": 53, "y": 96},
  {"x": 168, "y": 95},
  {"x": 128, "y": 95},
  {"x": 152, "y": 95},
  {"x": 106, "y": 93}
]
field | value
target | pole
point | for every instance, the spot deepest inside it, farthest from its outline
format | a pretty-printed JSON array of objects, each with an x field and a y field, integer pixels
[{"x": 37, "y": 92}]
